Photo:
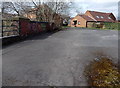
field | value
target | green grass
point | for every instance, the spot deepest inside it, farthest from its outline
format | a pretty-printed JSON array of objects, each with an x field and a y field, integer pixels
[{"x": 65, "y": 27}]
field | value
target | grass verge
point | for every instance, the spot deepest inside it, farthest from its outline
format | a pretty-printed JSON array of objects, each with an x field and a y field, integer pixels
[{"x": 103, "y": 72}]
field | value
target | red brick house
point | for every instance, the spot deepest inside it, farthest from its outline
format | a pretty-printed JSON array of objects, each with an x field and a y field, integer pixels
[{"x": 91, "y": 18}]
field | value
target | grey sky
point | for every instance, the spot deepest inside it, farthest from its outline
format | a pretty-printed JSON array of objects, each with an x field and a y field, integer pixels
[{"x": 96, "y": 5}]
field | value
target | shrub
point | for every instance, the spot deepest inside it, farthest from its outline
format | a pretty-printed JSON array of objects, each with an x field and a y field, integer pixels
[
  {"x": 112, "y": 25},
  {"x": 102, "y": 73}
]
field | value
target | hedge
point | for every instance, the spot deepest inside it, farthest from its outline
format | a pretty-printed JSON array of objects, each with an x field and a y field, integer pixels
[{"x": 112, "y": 26}]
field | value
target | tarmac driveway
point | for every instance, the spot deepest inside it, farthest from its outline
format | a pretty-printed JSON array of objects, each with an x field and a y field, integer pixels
[{"x": 56, "y": 59}]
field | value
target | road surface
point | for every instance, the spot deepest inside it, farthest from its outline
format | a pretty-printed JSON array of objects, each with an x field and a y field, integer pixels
[{"x": 56, "y": 59}]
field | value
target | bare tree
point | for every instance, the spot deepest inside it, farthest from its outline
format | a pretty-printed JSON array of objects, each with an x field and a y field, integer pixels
[
  {"x": 15, "y": 7},
  {"x": 44, "y": 11},
  {"x": 58, "y": 10},
  {"x": 6, "y": 7}
]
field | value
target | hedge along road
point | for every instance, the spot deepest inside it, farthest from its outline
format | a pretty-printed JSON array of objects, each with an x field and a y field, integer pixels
[{"x": 56, "y": 59}]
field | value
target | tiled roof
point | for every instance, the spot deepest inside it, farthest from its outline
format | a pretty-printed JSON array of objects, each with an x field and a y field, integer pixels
[
  {"x": 100, "y": 16},
  {"x": 87, "y": 18}
]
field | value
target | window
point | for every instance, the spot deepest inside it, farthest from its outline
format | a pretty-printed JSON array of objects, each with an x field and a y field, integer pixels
[
  {"x": 97, "y": 16},
  {"x": 102, "y": 17},
  {"x": 109, "y": 18},
  {"x": 78, "y": 22}
]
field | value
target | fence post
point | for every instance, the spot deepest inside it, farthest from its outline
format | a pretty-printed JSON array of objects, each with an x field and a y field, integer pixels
[{"x": 2, "y": 28}]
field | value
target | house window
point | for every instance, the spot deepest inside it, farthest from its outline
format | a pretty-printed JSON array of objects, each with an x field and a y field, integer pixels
[
  {"x": 109, "y": 18},
  {"x": 102, "y": 17},
  {"x": 97, "y": 16},
  {"x": 78, "y": 22}
]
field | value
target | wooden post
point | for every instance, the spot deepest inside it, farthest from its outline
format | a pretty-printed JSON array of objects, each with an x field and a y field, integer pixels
[{"x": 2, "y": 28}]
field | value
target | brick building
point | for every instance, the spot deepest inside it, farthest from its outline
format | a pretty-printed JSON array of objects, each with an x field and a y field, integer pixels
[{"x": 90, "y": 18}]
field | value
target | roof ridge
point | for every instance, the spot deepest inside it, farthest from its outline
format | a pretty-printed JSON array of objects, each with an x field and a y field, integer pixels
[
  {"x": 99, "y": 12},
  {"x": 84, "y": 17},
  {"x": 92, "y": 18}
]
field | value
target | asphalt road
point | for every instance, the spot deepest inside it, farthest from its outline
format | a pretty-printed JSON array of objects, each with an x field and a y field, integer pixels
[{"x": 56, "y": 59}]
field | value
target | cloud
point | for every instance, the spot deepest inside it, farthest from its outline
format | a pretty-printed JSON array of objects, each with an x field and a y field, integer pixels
[
  {"x": 97, "y": 1},
  {"x": 99, "y": 5},
  {"x": 103, "y": 1}
]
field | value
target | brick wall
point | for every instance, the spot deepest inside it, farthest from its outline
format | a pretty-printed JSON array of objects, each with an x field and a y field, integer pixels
[{"x": 80, "y": 22}]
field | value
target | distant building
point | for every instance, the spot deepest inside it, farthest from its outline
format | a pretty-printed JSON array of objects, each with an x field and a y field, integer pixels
[
  {"x": 90, "y": 18},
  {"x": 66, "y": 20},
  {"x": 46, "y": 14},
  {"x": 117, "y": 21},
  {"x": 37, "y": 13}
]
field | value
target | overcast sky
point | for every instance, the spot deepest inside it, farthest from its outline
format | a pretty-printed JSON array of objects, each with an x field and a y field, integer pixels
[
  {"x": 96, "y": 5},
  {"x": 93, "y": 5}
]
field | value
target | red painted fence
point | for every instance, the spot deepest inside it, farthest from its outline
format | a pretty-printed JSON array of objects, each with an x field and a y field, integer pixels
[{"x": 24, "y": 27}]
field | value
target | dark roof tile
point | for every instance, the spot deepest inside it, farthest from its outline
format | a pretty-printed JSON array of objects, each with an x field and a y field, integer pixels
[
  {"x": 101, "y": 16},
  {"x": 87, "y": 18}
]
